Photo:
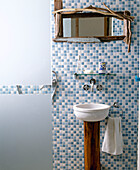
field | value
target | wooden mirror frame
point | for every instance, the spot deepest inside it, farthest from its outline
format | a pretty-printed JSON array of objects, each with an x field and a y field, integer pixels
[{"x": 60, "y": 13}]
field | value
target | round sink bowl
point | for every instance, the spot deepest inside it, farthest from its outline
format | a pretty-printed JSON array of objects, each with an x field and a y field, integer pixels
[{"x": 92, "y": 112}]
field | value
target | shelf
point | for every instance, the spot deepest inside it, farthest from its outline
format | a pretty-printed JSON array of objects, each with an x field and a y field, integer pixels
[
  {"x": 94, "y": 74},
  {"x": 107, "y": 74},
  {"x": 93, "y": 39}
]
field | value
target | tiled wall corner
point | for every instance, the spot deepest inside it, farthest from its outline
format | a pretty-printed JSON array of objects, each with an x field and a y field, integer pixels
[{"x": 68, "y": 137}]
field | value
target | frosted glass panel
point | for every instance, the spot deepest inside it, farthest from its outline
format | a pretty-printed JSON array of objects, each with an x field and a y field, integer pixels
[
  {"x": 25, "y": 132},
  {"x": 25, "y": 42}
]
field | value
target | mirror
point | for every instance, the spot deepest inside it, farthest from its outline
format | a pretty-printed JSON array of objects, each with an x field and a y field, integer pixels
[
  {"x": 91, "y": 26},
  {"x": 79, "y": 27},
  {"x": 88, "y": 27}
]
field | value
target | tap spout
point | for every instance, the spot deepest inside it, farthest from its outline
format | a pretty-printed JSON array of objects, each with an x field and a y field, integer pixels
[{"x": 92, "y": 82}]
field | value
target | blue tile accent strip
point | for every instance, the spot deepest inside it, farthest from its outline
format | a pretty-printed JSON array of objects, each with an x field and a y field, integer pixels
[{"x": 30, "y": 89}]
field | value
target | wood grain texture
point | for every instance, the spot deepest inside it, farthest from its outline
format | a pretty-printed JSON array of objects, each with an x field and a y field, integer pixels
[
  {"x": 89, "y": 39},
  {"x": 85, "y": 15},
  {"x": 58, "y": 26},
  {"x": 97, "y": 8},
  {"x": 127, "y": 30},
  {"x": 94, "y": 10},
  {"x": 105, "y": 26},
  {"x": 118, "y": 15},
  {"x": 61, "y": 13},
  {"x": 130, "y": 34},
  {"x": 77, "y": 27},
  {"x": 58, "y": 4},
  {"x": 92, "y": 145},
  {"x": 87, "y": 10}
]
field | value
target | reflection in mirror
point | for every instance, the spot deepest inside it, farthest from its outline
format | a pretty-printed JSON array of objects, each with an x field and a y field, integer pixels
[{"x": 90, "y": 26}]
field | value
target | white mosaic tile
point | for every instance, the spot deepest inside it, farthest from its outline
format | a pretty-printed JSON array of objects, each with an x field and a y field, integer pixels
[{"x": 69, "y": 146}]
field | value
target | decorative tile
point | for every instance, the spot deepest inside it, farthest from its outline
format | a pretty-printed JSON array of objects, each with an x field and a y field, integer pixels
[{"x": 68, "y": 137}]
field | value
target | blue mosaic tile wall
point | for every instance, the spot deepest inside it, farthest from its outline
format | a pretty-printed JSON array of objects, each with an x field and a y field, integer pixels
[
  {"x": 68, "y": 136},
  {"x": 30, "y": 89}
]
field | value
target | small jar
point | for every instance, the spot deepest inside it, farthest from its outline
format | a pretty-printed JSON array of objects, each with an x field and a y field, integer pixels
[{"x": 102, "y": 67}]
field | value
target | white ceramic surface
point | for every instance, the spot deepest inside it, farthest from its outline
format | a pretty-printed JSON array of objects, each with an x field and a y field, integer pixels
[{"x": 92, "y": 112}]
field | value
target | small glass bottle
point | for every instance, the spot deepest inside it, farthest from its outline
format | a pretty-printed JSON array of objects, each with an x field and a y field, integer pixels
[
  {"x": 102, "y": 67},
  {"x": 78, "y": 70}
]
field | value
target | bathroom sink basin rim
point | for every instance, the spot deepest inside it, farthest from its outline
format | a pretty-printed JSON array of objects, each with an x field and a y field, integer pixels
[{"x": 91, "y": 112}]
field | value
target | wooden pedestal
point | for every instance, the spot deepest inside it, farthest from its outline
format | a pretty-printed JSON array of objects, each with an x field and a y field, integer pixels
[{"x": 92, "y": 145}]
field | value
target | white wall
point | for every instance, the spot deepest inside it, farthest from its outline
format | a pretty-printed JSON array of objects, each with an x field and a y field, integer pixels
[{"x": 25, "y": 42}]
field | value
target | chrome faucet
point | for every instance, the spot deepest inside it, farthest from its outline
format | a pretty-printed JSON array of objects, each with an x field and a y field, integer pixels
[
  {"x": 92, "y": 82},
  {"x": 86, "y": 87},
  {"x": 99, "y": 87}
]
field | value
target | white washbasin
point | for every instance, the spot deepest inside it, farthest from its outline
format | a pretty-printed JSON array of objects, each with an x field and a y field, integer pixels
[{"x": 92, "y": 112}]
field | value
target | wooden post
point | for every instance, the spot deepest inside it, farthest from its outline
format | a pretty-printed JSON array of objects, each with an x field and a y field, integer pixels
[
  {"x": 92, "y": 145},
  {"x": 127, "y": 30},
  {"x": 77, "y": 27},
  {"x": 58, "y": 4}
]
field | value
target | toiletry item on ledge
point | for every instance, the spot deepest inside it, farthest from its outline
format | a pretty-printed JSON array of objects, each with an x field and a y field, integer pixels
[
  {"x": 113, "y": 141},
  {"x": 88, "y": 71},
  {"x": 102, "y": 67},
  {"x": 79, "y": 65}
]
